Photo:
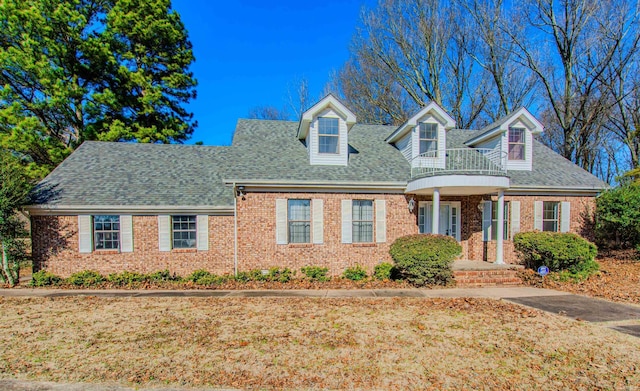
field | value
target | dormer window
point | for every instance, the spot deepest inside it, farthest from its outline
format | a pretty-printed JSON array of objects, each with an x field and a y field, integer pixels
[
  {"x": 428, "y": 138},
  {"x": 328, "y": 135},
  {"x": 516, "y": 143}
]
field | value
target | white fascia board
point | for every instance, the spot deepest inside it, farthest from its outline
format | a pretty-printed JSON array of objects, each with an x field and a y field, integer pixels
[
  {"x": 319, "y": 185},
  {"x": 327, "y": 101},
  {"x": 432, "y": 107},
  {"x": 521, "y": 114},
  {"x": 35, "y": 210}
]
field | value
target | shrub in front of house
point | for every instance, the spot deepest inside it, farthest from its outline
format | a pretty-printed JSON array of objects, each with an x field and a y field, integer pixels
[
  {"x": 126, "y": 278},
  {"x": 425, "y": 259},
  {"x": 315, "y": 273},
  {"x": 355, "y": 273},
  {"x": 44, "y": 278},
  {"x": 383, "y": 271},
  {"x": 163, "y": 276},
  {"x": 558, "y": 251},
  {"x": 85, "y": 278},
  {"x": 618, "y": 217}
]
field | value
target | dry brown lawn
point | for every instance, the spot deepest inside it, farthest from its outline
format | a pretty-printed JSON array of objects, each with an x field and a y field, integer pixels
[{"x": 278, "y": 343}]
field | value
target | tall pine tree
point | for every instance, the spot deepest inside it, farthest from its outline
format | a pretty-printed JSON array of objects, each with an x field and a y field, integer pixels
[{"x": 75, "y": 70}]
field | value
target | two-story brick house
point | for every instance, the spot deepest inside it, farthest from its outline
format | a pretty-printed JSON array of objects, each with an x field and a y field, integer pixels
[{"x": 323, "y": 191}]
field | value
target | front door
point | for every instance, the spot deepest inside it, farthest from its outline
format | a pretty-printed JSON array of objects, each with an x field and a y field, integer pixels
[{"x": 449, "y": 218}]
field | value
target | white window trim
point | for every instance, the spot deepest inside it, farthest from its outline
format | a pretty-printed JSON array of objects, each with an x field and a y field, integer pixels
[
  {"x": 437, "y": 139},
  {"x": 523, "y": 143},
  {"x": 337, "y": 136}
]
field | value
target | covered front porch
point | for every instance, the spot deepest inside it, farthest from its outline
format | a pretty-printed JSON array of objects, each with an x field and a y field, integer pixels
[{"x": 451, "y": 197}]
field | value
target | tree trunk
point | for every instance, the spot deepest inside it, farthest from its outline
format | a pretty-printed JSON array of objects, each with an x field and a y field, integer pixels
[{"x": 7, "y": 271}]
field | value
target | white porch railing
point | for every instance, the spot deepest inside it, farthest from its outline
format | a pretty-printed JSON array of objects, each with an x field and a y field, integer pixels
[{"x": 462, "y": 161}]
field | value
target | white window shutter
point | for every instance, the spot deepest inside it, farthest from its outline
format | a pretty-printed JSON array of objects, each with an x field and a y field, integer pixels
[
  {"x": 346, "y": 221},
  {"x": 381, "y": 221},
  {"x": 126, "y": 233},
  {"x": 565, "y": 216},
  {"x": 164, "y": 233},
  {"x": 281, "y": 221},
  {"x": 486, "y": 221},
  {"x": 537, "y": 215},
  {"x": 515, "y": 218},
  {"x": 85, "y": 236},
  {"x": 317, "y": 221},
  {"x": 202, "y": 226}
]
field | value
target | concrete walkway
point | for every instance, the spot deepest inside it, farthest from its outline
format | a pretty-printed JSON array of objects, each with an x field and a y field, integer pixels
[{"x": 488, "y": 292}]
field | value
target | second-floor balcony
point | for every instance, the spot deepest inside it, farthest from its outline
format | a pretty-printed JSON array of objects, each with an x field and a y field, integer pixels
[{"x": 460, "y": 161}]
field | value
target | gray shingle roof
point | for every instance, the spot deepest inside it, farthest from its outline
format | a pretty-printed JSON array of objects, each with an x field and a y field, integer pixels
[
  {"x": 126, "y": 174},
  {"x": 101, "y": 173}
]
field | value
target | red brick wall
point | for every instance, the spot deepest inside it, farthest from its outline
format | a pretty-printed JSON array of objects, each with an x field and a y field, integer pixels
[
  {"x": 257, "y": 237},
  {"x": 55, "y": 238},
  {"x": 55, "y": 248}
]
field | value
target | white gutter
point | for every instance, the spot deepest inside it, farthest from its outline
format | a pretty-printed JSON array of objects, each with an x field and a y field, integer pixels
[{"x": 235, "y": 231}]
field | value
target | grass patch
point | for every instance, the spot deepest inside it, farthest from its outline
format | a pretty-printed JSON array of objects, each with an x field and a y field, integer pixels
[{"x": 303, "y": 343}]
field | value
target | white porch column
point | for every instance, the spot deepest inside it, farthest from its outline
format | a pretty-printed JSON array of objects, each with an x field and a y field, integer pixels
[
  {"x": 500, "y": 229},
  {"x": 435, "y": 215}
]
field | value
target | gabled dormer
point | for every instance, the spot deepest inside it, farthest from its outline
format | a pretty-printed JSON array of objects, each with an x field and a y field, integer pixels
[
  {"x": 512, "y": 134},
  {"x": 325, "y": 131},
  {"x": 423, "y": 138}
]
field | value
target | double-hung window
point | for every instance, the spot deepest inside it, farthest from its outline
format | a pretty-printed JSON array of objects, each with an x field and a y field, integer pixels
[
  {"x": 494, "y": 221},
  {"x": 184, "y": 231},
  {"x": 550, "y": 216},
  {"x": 362, "y": 220},
  {"x": 106, "y": 232},
  {"x": 516, "y": 143},
  {"x": 299, "y": 221},
  {"x": 429, "y": 138},
  {"x": 328, "y": 135}
]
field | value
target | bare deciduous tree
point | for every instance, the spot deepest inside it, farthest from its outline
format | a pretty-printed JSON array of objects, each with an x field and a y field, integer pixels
[
  {"x": 268, "y": 112},
  {"x": 568, "y": 45},
  {"x": 416, "y": 50}
]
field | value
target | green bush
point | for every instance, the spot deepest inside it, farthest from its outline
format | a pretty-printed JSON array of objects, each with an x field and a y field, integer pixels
[
  {"x": 251, "y": 275},
  {"x": 315, "y": 273},
  {"x": 425, "y": 259},
  {"x": 383, "y": 271},
  {"x": 355, "y": 273},
  {"x": 126, "y": 278},
  {"x": 279, "y": 275},
  {"x": 162, "y": 276},
  {"x": 44, "y": 278},
  {"x": 558, "y": 251},
  {"x": 85, "y": 278},
  {"x": 618, "y": 216},
  {"x": 197, "y": 275},
  {"x": 212, "y": 279},
  {"x": 588, "y": 269}
]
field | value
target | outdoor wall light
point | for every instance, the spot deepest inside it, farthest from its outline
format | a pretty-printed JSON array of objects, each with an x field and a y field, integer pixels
[
  {"x": 481, "y": 206},
  {"x": 240, "y": 191},
  {"x": 411, "y": 205}
]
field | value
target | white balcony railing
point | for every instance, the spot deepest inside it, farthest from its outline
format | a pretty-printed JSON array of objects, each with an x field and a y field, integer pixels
[{"x": 461, "y": 161}]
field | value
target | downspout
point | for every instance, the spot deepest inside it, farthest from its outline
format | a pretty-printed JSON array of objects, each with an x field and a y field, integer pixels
[{"x": 235, "y": 230}]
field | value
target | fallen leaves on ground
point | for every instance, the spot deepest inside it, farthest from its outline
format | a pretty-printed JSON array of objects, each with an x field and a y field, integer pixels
[
  {"x": 310, "y": 343},
  {"x": 617, "y": 280}
]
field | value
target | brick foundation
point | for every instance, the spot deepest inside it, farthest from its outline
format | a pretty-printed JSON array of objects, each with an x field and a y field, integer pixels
[{"x": 55, "y": 238}]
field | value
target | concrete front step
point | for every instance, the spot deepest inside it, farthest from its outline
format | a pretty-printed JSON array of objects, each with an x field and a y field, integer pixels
[{"x": 476, "y": 278}]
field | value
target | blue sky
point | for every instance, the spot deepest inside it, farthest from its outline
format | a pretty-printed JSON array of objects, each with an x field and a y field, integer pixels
[{"x": 248, "y": 52}]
